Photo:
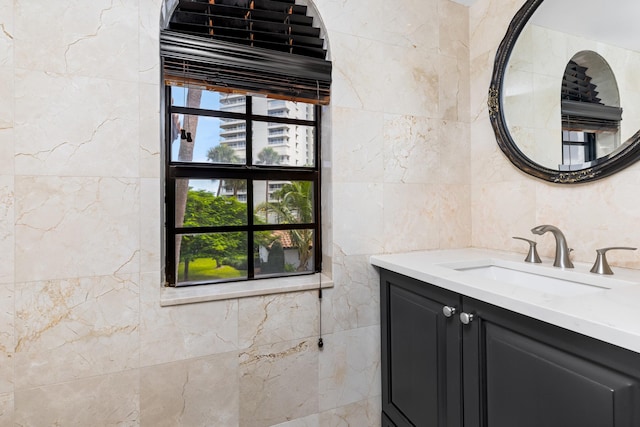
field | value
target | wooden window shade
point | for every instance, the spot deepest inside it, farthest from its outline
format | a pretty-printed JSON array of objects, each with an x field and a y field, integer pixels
[
  {"x": 250, "y": 46},
  {"x": 582, "y": 109}
]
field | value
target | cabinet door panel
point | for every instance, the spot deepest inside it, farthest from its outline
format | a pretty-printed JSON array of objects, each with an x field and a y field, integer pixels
[
  {"x": 531, "y": 384},
  {"x": 414, "y": 356},
  {"x": 420, "y": 357},
  {"x": 386, "y": 422}
]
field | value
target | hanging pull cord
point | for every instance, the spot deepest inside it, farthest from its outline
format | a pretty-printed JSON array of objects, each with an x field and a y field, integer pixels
[{"x": 320, "y": 343}]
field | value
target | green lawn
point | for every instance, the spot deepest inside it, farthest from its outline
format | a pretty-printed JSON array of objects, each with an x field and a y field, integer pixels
[{"x": 206, "y": 269}]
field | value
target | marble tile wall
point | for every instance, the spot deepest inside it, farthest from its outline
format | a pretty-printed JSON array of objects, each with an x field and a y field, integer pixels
[
  {"x": 505, "y": 202},
  {"x": 83, "y": 339}
]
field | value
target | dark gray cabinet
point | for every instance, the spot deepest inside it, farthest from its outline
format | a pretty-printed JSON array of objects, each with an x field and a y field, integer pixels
[
  {"x": 421, "y": 355},
  {"x": 500, "y": 369}
]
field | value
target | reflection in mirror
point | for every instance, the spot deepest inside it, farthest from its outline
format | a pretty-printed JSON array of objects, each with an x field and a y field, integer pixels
[
  {"x": 591, "y": 113},
  {"x": 561, "y": 86}
]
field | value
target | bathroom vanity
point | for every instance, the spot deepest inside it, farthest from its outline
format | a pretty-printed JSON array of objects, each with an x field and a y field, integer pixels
[{"x": 461, "y": 347}]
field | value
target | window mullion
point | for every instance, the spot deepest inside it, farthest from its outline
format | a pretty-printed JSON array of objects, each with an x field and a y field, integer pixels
[
  {"x": 169, "y": 198},
  {"x": 250, "y": 192},
  {"x": 317, "y": 186}
]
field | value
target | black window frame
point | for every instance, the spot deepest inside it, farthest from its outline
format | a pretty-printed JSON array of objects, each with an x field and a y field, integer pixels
[{"x": 175, "y": 170}]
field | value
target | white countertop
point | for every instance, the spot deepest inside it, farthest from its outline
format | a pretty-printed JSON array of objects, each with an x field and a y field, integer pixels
[{"x": 611, "y": 315}]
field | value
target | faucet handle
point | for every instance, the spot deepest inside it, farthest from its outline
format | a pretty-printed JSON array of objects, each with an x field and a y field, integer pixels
[
  {"x": 532, "y": 256},
  {"x": 601, "y": 266}
]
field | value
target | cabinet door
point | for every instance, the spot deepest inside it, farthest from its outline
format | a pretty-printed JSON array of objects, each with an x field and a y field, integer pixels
[
  {"x": 420, "y": 354},
  {"x": 530, "y": 376},
  {"x": 386, "y": 422}
]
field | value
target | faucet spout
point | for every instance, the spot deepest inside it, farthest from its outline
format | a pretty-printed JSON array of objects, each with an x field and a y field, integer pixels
[{"x": 562, "y": 249}]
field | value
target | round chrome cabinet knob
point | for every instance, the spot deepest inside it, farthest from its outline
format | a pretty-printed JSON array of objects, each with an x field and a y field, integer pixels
[
  {"x": 448, "y": 311},
  {"x": 466, "y": 318}
]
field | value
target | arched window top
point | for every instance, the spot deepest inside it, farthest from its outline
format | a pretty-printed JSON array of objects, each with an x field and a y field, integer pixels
[
  {"x": 256, "y": 46},
  {"x": 589, "y": 78},
  {"x": 590, "y": 96},
  {"x": 244, "y": 81}
]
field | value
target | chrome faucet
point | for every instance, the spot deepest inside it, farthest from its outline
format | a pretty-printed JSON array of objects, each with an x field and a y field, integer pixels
[{"x": 562, "y": 250}]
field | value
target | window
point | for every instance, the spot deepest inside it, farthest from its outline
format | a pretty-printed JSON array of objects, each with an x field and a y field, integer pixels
[
  {"x": 591, "y": 112},
  {"x": 240, "y": 211},
  {"x": 244, "y": 82}
]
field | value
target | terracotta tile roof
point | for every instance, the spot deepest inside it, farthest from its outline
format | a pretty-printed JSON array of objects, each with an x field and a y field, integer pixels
[{"x": 285, "y": 239}]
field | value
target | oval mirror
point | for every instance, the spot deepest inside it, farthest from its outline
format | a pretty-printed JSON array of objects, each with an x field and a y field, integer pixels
[{"x": 564, "y": 100}]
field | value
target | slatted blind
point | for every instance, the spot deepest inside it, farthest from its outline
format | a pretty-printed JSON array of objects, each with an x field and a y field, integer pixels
[
  {"x": 582, "y": 109},
  {"x": 577, "y": 86},
  {"x": 254, "y": 46}
]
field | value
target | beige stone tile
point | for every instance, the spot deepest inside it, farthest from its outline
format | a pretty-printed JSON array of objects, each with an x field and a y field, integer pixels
[
  {"x": 75, "y": 328},
  {"x": 149, "y": 40},
  {"x": 151, "y": 243},
  {"x": 455, "y": 217},
  {"x": 76, "y": 227},
  {"x": 361, "y": 158},
  {"x": 363, "y": 413},
  {"x": 553, "y": 49},
  {"x": 592, "y": 216},
  {"x": 174, "y": 333},
  {"x": 411, "y": 149},
  {"x": 350, "y": 18},
  {"x": 195, "y": 392},
  {"x": 480, "y": 76},
  {"x": 310, "y": 421},
  {"x": 489, "y": 164},
  {"x": 358, "y": 218},
  {"x": 7, "y": 233},
  {"x": 411, "y": 214},
  {"x": 354, "y": 301},
  {"x": 453, "y": 29},
  {"x": 7, "y": 92},
  {"x": 500, "y": 211},
  {"x": 75, "y": 126},
  {"x": 488, "y": 22},
  {"x": 411, "y": 83},
  {"x": 6, "y": 409},
  {"x": 278, "y": 383},
  {"x": 6, "y": 340},
  {"x": 349, "y": 367},
  {"x": 151, "y": 142},
  {"x": 547, "y": 112},
  {"x": 402, "y": 26},
  {"x": 7, "y": 151},
  {"x": 517, "y": 104},
  {"x": 453, "y": 90},
  {"x": 105, "y": 400},
  {"x": 521, "y": 58},
  {"x": 455, "y": 153},
  {"x": 94, "y": 39},
  {"x": 6, "y": 33},
  {"x": 358, "y": 70},
  {"x": 277, "y": 318}
]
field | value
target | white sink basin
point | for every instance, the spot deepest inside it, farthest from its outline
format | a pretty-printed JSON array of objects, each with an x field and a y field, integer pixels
[{"x": 545, "y": 279}]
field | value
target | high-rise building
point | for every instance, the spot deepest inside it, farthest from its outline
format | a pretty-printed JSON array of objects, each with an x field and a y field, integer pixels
[{"x": 274, "y": 143}]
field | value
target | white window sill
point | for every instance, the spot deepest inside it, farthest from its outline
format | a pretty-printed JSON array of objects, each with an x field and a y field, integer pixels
[{"x": 192, "y": 294}]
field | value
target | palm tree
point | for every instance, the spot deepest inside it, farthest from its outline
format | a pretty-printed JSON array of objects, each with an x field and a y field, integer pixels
[
  {"x": 225, "y": 154},
  {"x": 268, "y": 156},
  {"x": 295, "y": 206},
  {"x": 185, "y": 154},
  {"x": 222, "y": 154}
]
